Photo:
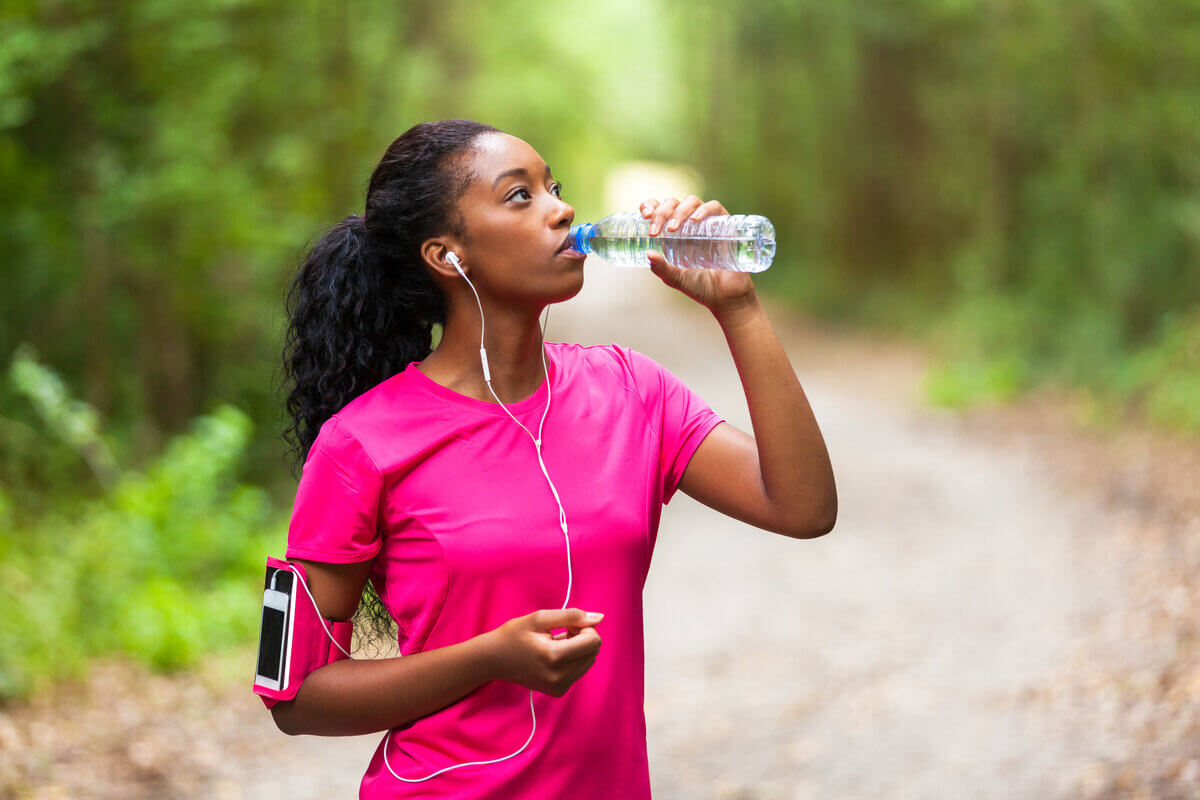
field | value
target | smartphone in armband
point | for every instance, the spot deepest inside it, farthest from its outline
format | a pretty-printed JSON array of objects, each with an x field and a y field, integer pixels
[{"x": 275, "y": 633}]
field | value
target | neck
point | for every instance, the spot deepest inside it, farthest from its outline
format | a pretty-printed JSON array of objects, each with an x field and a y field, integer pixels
[{"x": 513, "y": 340}]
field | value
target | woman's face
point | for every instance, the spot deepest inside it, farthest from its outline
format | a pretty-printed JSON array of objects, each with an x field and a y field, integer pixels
[{"x": 517, "y": 222}]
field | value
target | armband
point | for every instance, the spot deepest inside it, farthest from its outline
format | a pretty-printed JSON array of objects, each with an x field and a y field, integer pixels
[{"x": 294, "y": 639}]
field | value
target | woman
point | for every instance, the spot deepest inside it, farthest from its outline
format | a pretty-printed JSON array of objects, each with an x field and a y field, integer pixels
[{"x": 489, "y": 525}]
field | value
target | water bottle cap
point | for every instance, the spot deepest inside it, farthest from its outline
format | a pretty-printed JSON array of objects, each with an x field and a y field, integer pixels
[{"x": 581, "y": 236}]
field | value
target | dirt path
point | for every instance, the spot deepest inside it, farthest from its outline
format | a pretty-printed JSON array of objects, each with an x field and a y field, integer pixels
[
  {"x": 939, "y": 643},
  {"x": 893, "y": 658}
]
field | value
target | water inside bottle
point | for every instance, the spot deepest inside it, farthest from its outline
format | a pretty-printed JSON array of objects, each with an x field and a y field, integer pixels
[
  {"x": 744, "y": 243},
  {"x": 743, "y": 253}
]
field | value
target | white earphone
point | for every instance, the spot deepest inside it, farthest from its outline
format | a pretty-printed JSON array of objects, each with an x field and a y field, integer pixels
[{"x": 453, "y": 258}]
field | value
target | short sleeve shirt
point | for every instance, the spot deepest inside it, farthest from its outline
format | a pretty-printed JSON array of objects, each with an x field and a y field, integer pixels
[{"x": 445, "y": 494}]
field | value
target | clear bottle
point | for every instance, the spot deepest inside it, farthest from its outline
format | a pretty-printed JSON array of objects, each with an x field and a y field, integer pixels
[{"x": 738, "y": 242}]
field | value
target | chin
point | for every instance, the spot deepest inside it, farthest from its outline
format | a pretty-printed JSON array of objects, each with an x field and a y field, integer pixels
[{"x": 573, "y": 287}]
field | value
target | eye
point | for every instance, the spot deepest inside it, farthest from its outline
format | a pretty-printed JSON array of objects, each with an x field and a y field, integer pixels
[{"x": 555, "y": 187}]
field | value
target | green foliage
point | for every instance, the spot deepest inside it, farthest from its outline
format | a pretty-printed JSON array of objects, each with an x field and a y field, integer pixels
[
  {"x": 72, "y": 421},
  {"x": 165, "y": 165},
  {"x": 1011, "y": 178},
  {"x": 967, "y": 384},
  {"x": 162, "y": 566},
  {"x": 1167, "y": 375}
]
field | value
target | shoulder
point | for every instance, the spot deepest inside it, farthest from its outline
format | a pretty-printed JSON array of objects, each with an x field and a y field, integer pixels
[
  {"x": 380, "y": 397},
  {"x": 338, "y": 441},
  {"x": 374, "y": 420},
  {"x": 645, "y": 380},
  {"x": 633, "y": 369},
  {"x": 618, "y": 361}
]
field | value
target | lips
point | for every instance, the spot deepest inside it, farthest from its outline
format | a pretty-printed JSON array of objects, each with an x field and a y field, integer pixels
[{"x": 566, "y": 243}]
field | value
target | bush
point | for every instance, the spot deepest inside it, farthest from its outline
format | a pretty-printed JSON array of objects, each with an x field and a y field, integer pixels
[{"x": 162, "y": 566}]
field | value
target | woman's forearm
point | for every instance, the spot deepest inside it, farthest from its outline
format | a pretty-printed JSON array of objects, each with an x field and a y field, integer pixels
[
  {"x": 797, "y": 476},
  {"x": 357, "y": 696}
]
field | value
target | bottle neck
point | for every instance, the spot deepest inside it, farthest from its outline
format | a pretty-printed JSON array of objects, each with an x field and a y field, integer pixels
[{"x": 581, "y": 237}]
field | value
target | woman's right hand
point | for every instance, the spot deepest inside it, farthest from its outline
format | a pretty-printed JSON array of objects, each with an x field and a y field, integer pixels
[{"x": 525, "y": 652}]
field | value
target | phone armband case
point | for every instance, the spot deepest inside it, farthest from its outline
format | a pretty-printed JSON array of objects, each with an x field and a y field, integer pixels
[{"x": 292, "y": 641}]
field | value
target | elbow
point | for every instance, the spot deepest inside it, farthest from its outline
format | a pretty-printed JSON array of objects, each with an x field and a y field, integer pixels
[
  {"x": 284, "y": 715},
  {"x": 814, "y": 527},
  {"x": 824, "y": 527},
  {"x": 814, "y": 531}
]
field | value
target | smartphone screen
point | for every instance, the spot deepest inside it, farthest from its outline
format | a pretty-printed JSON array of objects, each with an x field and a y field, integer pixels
[
  {"x": 270, "y": 644},
  {"x": 273, "y": 635}
]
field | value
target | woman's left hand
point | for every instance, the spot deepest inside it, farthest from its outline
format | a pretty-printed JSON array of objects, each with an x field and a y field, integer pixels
[{"x": 717, "y": 289}]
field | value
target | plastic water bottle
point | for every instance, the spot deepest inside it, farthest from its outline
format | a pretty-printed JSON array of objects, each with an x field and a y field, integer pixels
[{"x": 739, "y": 242}]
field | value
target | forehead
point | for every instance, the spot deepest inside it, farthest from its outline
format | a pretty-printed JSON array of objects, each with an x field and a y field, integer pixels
[{"x": 499, "y": 152}]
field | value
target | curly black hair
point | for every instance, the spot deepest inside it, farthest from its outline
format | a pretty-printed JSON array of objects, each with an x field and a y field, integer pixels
[{"x": 362, "y": 306}]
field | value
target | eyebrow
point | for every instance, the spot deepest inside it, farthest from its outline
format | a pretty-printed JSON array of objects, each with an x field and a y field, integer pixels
[{"x": 517, "y": 171}]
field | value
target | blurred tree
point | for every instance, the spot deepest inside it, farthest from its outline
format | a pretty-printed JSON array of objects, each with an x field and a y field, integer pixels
[
  {"x": 166, "y": 164},
  {"x": 1005, "y": 163},
  {"x": 1015, "y": 177}
]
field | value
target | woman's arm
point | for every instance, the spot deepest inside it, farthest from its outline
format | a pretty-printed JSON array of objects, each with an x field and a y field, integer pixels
[
  {"x": 353, "y": 696},
  {"x": 356, "y": 696},
  {"x": 780, "y": 479}
]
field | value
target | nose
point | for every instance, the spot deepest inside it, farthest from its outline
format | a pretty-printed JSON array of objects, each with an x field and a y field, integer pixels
[{"x": 563, "y": 211}]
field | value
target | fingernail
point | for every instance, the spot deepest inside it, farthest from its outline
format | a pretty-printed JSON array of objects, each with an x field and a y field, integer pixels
[
  {"x": 593, "y": 616},
  {"x": 653, "y": 228}
]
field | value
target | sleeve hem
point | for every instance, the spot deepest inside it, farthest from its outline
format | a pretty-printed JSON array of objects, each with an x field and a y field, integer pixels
[
  {"x": 688, "y": 450},
  {"x": 330, "y": 557}
]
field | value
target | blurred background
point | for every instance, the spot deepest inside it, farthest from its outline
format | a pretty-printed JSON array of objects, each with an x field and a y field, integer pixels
[{"x": 1010, "y": 188}]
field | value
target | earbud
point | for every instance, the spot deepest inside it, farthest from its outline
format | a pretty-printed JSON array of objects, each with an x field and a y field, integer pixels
[{"x": 452, "y": 257}]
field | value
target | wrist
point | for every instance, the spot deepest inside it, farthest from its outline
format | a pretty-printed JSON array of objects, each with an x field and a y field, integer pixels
[
  {"x": 737, "y": 312},
  {"x": 487, "y": 653}
]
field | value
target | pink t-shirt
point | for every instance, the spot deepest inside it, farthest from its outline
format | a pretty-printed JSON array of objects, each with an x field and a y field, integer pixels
[{"x": 445, "y": 493}]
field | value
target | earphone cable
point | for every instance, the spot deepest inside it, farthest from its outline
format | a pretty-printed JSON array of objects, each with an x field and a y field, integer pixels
[{"x": 562, "y": 519}]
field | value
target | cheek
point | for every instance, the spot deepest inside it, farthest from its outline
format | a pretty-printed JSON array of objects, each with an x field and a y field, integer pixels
[{"x": 505, "y": 239}]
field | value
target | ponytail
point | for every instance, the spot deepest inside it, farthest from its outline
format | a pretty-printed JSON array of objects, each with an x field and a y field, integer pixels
[
  {"x": 350, "y": 328},
  {"x": 362, "y": 305}
]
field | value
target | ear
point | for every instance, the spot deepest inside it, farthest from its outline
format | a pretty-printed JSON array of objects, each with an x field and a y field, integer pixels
[{"x": 433, "y": 252}]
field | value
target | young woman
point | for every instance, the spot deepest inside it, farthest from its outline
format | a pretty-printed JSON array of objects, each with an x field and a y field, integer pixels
[{"x": 493, "y": 507}]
